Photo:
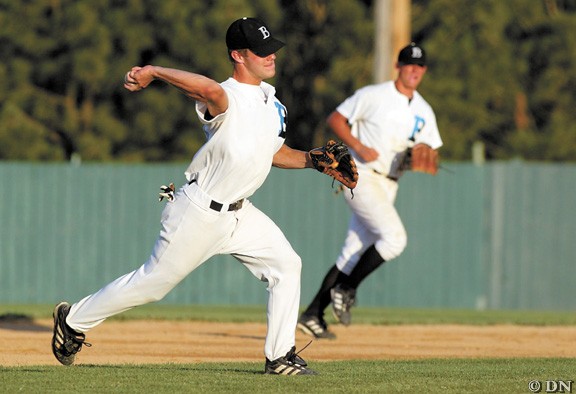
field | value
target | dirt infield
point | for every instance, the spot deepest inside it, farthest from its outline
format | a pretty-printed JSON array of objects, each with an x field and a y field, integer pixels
[{"x": 139, "y": 342}]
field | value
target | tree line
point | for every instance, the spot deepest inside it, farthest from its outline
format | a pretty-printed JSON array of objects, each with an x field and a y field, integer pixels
[{"x": 500, "y": 73}]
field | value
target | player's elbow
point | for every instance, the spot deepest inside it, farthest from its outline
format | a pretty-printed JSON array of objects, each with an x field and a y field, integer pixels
[
  {"x": 336, "y": 120},
  {"x": 214, "y": 96}
]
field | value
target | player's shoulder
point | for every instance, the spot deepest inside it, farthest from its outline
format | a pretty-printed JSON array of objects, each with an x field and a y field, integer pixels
[
  {"x": 420, "y": 101},
  {"x": 236, "y": 91},
  {"x": 374, "y": 91},
  {"x": 377, "y": 88},
  {"x": 230, "y": 85}
]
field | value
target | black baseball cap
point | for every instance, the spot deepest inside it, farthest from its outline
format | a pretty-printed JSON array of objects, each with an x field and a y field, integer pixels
[
  {"x": 412, "y": 54},
  {"x": 253, "y": 34}
]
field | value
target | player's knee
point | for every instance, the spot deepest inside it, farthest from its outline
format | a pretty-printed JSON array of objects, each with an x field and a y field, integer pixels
[
  {"x": 155, "y": 297},
  {"x": 392, "y": 247},
  {"x": 294, "y": 264},
  {"x": 157, "y": 287},
  {"x": 159, "y": 293},
  {"x": 291, "y": 268},
  {"x": 285, "y": 272},
  {"x": 398, "y": 244}
]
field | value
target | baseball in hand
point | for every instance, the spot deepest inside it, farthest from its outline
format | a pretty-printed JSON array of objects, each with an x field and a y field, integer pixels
[{"x": 128, "y": 79}]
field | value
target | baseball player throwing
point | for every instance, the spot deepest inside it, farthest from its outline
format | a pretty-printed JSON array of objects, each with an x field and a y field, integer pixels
[
  {"x": 380, "y": 123},
  {"x": 210, "y": 214}
]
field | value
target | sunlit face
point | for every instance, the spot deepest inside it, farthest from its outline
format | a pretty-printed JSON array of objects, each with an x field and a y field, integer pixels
[
  {"x": 256, "y": 68},
  {"x": 410, "y": 75}
]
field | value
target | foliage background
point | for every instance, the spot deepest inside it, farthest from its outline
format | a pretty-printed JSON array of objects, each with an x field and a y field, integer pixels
[{"x": 501, "y": 73}]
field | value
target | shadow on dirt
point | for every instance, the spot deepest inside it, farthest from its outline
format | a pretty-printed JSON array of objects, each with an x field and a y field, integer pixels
[
  {"x": 223, "y": 334},
  {"x": 20, "y": 322}
]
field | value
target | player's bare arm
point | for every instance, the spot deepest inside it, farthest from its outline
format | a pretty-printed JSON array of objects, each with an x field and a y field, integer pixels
[
  {"x": 195, "y": 86},
  {"x": 333, "y": 159},
  {"x": 289, "y": 158},
  {"x": 340, "y": 126}
]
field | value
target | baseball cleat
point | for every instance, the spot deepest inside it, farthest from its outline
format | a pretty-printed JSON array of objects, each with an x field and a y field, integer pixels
[
  {"x": 315, "y": 327},
  {"x": 65, "y": 341},
  {"x": 290, "y": 364},
  {"x": 342, "y": 300}
]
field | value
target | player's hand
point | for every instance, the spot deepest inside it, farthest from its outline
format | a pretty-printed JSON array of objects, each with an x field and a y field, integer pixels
[
  {"x": 130, "y": 82},
  {"x": 138, "y": 78},
  {"x": 366, "y": 153}
]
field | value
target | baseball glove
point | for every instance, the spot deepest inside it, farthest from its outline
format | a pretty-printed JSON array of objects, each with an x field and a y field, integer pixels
[
  {"x": 424, "y": 159},
  {"x": 335, "y": 160}
]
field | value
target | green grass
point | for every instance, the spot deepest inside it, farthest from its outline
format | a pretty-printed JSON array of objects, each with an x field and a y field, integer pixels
[
  {"x": 378, "y": 316},
  {"x": 383, "y": 376},
  {"x": 426, "y": 376}
]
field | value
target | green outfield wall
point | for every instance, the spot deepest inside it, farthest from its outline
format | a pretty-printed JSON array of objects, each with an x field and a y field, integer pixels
[{"x": 497, "y": 236}]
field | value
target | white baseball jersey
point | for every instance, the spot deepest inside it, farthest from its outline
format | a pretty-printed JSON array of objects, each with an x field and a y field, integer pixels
[
  {"x": 237, "y": 158},
  {"x": 386, "y": 120},
  {"x": 232, "y": 164}
]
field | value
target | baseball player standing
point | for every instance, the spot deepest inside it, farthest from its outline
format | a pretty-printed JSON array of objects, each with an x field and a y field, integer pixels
[
  {"x": 245, "y": 126},
  {"x": 380, "y": 123}
]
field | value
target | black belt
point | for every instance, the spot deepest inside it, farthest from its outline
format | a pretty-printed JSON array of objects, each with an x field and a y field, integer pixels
[
  {"x": 232, "y": 207},
  {"x": 387, "y": 176},
  {"x": 215, "y": 205}
]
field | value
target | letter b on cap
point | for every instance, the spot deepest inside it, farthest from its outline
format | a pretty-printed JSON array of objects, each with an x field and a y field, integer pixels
[{"x": 265, "y": 32}]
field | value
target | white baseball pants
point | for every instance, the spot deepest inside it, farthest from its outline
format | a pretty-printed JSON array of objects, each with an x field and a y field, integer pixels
[
  {"x": 374, "y": 221},
  {"x": 191, "y": 233}
]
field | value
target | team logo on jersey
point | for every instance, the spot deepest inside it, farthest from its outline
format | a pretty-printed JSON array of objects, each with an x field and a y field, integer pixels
[
  {"x": 282, "y": 114},
  {"x": 419, "y": 124},
  {"x": 265, "y": 32}
]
